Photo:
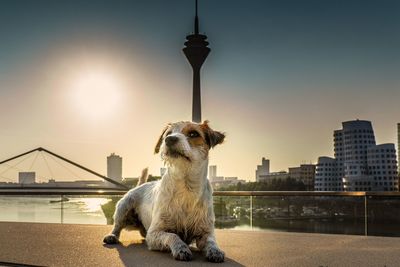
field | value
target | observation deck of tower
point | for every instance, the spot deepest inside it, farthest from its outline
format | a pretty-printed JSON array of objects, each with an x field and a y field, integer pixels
[{"x": 196, "y": 52}]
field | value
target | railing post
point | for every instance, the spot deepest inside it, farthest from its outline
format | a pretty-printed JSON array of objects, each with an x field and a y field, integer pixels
[
  {"x": 365, "y": 214},
  {"x": 251, "y": 212},
  {"x": 62, "y": 209}
]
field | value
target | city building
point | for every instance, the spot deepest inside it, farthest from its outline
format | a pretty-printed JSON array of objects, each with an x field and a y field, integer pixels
[
  {"x": 338, "y": 143},
  {"x": 224, "y": 182},
  {"x": 262, "y": 169},
  {"x": 356, "y": 166},
  {"x": 212, "y": 172},
  {"x": 305, "y": 173},
  {"x": 326, "y": 175},
  {"x": 114, "y": 167},
  {"x": 382, "y": 170},
  {"x": 266, "y": 178},
  {"x": 398, "y": 149},
  {"x": 26, "y": 177},
  {"x": 220, "y": 181}
]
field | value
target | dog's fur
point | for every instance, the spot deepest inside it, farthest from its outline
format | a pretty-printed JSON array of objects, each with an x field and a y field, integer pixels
[{"x": 178, "y": 209}]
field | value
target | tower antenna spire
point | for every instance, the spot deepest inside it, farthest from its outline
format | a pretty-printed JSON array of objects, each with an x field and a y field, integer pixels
[
  {"x": 196, "y": 51},
  {"x": 196, "y": 21}
]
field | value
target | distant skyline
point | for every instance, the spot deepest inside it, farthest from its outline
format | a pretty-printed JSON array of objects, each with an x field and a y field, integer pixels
[{"x": 87, "y": 78}]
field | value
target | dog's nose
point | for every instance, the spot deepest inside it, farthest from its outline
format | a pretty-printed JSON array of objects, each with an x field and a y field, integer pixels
[{"x": 171, "y": 140}]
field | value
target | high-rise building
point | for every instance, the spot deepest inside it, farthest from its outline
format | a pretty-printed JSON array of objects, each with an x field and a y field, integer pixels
[
  {"x": 26, "y": 177},
  {"x": 355, "y": 166},
  {"x": 196, "y": 52},
  {"x": 262, "y": 170},
  {"x": 358, "y": 135},
  {"x": 338, "y": 142},
  {"x": 382, "y": 169},
  {"x": 398, "y": 148},
  {"x": 114, "y": 167},
  {"x": 305, "y": 173},
  {"x": 212, "y": 175},
  {"x": 212, "y": 172}
]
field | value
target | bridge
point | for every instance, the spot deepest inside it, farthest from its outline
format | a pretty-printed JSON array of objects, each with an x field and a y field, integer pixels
[{"x": 116, "y": 185}]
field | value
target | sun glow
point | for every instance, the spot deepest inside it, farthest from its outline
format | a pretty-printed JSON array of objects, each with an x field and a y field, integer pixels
[
  {"x": 92, "y": 204},
  {"x": 96, "y": 93}
]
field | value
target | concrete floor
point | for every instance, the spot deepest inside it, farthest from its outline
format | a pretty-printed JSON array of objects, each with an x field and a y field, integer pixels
[{"x": 81, "y": 245}]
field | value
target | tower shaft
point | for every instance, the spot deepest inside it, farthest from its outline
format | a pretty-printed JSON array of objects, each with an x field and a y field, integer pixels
[{"x": 196, "y": 103}]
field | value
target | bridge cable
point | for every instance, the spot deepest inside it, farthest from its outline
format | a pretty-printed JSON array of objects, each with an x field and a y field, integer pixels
[
  {"x": 19, "y": 170},
  {"x": 7, "y": 178},
  {"x": 47, "y": 164},
  {"x": 62, "y": 165},
  {"x": 34, "y": 160},
  {"x": 14, "y": 166}
]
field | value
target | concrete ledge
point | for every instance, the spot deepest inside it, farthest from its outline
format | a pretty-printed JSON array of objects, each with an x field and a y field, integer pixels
[{"x": 81, "y": 245}]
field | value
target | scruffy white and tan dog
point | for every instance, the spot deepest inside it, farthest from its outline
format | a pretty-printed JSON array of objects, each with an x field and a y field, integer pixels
[{"x": 178, "y": 209}]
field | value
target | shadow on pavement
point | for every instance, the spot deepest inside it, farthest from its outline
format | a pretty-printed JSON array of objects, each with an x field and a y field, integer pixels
[{"x": 136, "y": 254}]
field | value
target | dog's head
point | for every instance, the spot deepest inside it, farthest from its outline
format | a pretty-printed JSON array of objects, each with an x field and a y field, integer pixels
[{"x": 187, "y": 142}]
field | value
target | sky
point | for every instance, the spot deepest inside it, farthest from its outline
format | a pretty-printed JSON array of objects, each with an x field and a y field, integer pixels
[{"x": 88, "y": 78}]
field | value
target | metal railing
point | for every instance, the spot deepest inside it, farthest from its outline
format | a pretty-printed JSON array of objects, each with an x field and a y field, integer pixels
[
  {"x": 366, "y": 196},
  {"x": 108, "y": 191},
  {"x": 73, "y": 191},
  {"x": 368, "y": 206}
]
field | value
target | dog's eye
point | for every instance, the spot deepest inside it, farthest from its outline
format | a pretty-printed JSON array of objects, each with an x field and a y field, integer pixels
[{"x": 193, "y": 134}]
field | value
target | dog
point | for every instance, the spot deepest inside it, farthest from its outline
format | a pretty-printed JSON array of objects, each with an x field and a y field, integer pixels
[{"x": 173, "y": 212}]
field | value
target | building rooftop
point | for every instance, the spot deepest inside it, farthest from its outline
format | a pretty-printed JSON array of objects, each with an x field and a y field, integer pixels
[{"x": 81, "y": 245}]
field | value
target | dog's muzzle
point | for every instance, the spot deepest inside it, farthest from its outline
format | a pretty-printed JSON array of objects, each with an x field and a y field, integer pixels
[
  {"x": 171, "y": 141},
  {"x": 172, "y": 150}
]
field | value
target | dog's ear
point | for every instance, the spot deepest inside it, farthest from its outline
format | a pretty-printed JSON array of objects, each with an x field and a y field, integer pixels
[
  {"x": 159, "y": 142},
  {"x": 213, "y": 138}
]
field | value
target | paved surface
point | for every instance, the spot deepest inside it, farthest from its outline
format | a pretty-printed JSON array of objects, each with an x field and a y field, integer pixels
[{"x": 81, "y": 245}]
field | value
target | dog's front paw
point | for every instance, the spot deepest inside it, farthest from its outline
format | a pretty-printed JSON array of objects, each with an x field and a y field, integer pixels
[
  {"x": 111, "y": 239},
  {"x": 182, "y": 253},
  {"x": 215, "y": 255}
]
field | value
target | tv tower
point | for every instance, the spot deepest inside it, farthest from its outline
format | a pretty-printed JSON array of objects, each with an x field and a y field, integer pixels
[{"x": 196, "y": 52}]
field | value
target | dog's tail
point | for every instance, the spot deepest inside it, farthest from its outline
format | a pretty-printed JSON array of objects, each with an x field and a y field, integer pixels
[{"x": 143, "y": 177}]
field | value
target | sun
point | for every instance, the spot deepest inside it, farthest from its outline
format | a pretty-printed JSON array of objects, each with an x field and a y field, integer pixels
[{"x": 96, "y": 93}]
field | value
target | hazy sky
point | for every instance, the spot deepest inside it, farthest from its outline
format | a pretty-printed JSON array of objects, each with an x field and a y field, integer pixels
[{"x": 87, "y": 78}]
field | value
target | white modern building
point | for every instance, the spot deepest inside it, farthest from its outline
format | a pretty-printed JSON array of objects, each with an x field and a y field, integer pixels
[
  {"x": 262, "y": 169},
  {"x": 114, "y": 167},
  {"x": 26, "y": 177},
  {"x": 326, "y": 175},
  {"x": 358, "y": 137},
  {"x": 382, "y": 169},
  {"x": 355, "y": 165}
]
